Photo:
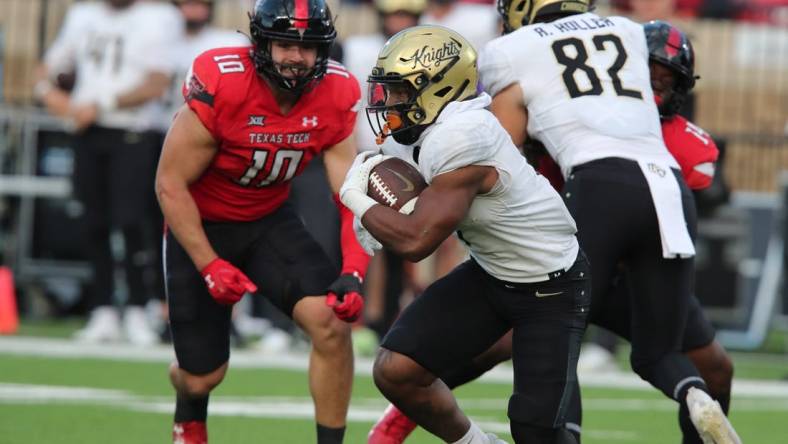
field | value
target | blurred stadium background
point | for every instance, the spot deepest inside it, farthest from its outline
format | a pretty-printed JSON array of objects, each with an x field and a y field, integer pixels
[{"x": 52, "y": 390}]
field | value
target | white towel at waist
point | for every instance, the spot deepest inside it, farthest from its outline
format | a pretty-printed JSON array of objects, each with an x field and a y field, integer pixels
[{"x": 666, "y": 194}]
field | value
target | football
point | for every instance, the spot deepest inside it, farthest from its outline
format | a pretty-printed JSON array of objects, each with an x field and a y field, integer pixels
[{"x": 396, "y": 183}]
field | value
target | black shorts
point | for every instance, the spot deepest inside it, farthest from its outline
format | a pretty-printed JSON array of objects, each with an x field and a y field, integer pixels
[
  {"x": 312, "y": 199},
  {"x": 464, "y": 313},
  {"x": 278, "y": 255}
]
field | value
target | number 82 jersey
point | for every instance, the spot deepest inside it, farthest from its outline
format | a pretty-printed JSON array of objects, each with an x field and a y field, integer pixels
[
  {"x": 586, "y": 84},
  {"x": 260, "y": 149}
]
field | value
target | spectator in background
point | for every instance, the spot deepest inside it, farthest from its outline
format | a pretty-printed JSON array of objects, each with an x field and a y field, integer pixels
[
  {"x": 119, "y": 49},
  {"x": 646, "y": 10},
  {"x": 763, "y": 11},
  {"x": 479, "y": 23},
  {"x": 199, "y": 36}
]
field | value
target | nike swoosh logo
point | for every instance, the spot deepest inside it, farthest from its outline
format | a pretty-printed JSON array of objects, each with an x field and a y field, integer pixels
[
  {"x": 408, "y": 184},
  {"x": 544, "y": 295}
]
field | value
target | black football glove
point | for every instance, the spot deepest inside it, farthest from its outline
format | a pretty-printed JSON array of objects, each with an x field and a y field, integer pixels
[{"x": 344, "y": 297}]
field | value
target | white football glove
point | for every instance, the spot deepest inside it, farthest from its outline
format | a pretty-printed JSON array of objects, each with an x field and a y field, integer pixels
[
  {"x": 354, "y": 190},
  {"x": 365, "y": 238}
]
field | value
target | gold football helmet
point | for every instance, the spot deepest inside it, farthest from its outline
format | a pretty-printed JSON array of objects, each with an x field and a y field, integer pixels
[
  {"x": 433, "y": 65},
  {"x": 517, "y": 13},
  {"x": 415, "y": 7}
]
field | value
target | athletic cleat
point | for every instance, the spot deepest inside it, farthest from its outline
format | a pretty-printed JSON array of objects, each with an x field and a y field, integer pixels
[
  {"x": 392, "y": 428},
  {"x": 709, "y": 420},
  {"x": 191, "y": 432}
]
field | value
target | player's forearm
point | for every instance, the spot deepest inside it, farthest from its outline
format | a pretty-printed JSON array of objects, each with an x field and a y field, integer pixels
[
  {"x": 402, "y": 234},
  {"x": 154, "y": 86},
  {"x": 56, "y": 100},
  {"x": 183, "y": 219},
  {"x": 354, "y": 259}
]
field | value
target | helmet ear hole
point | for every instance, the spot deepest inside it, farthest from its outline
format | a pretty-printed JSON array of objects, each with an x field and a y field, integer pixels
[{"x": 443, "y": 91}]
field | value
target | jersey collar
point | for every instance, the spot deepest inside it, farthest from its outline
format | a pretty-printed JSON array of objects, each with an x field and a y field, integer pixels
[{"x": 481, "y": 101}]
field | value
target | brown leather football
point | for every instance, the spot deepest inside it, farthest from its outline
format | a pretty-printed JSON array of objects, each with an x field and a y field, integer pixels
[{"x": 395, "y": 183}]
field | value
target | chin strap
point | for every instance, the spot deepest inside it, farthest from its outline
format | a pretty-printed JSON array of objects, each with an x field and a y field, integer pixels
[{"x": 392, "y": 122}]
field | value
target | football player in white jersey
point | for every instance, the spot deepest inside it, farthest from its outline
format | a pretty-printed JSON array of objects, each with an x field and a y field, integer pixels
[
  {"x": 580, "y": 84},
  {"x": 526, "y": 270},
  {"x": 119, "y": 50}
]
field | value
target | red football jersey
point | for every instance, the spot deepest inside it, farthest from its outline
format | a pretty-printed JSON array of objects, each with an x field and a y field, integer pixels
[
  {"x": 693, "y": 149},
  {"x": 260, "y": 149}
]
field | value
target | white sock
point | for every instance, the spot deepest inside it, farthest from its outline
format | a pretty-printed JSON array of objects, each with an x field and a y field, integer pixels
[{"x": 474, "y": 435}]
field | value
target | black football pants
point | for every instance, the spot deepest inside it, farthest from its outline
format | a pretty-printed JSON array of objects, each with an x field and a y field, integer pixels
[{"x": 617, "y": 224}]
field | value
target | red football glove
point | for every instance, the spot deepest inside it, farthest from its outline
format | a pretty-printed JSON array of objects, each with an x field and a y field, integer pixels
[
  {"x": 226, "y": 283},
  {"x": 344, "y": 297}
]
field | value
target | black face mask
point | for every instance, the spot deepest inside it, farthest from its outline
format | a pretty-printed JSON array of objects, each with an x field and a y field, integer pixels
[{"x": 410, "y": 135}]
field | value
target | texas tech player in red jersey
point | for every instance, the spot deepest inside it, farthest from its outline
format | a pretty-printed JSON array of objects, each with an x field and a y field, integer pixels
[
  {"x": 254, "y": 117},
  {"x": 693, "y": 148},
  {"x": 260, "y": 149}
]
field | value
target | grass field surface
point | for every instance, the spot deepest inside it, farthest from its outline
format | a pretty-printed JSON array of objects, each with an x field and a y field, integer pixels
[{"x": 52, "y": 391}]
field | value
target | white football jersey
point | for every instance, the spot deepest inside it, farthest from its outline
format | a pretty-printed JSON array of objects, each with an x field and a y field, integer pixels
[
  {"x": 586, "y": 84},
  {"x": 184, "y": 51},
  {"x": 518, "y": 232},
  {"x": 113, "y": 51}
]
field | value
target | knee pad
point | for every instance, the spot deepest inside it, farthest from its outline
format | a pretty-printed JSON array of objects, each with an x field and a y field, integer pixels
[{"x": 538, "y": 408}]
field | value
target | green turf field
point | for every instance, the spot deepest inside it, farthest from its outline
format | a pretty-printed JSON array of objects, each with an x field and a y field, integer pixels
[
  {"x": 71, "y": 399},
  {"x": 86, "y": 400}
]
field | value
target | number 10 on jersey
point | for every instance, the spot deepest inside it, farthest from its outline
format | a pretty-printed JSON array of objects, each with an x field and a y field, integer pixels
[{"x": 283, "y": 167}]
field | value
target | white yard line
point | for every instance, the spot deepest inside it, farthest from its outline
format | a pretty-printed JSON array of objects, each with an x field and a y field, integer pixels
[
  {"x": 66, "y": 348},
  {"x": 293, "y": 406},
  {"x": 366, "y": 410},
  {"x": 259, "y": 407}
]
